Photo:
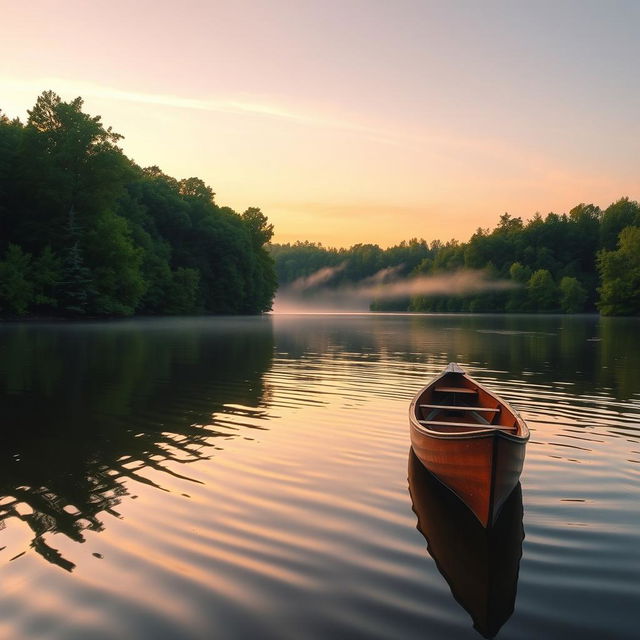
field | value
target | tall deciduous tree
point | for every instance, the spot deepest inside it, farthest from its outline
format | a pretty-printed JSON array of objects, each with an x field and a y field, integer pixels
[
  {"x": 542, "y": 291},
  {"x": 70, "y": 160},
  {"x": 258, "y": 225},
  {"x": 617, "y": 216},
  {"x": 620, "y": 273},
  {"x": 572, "y": 295}
]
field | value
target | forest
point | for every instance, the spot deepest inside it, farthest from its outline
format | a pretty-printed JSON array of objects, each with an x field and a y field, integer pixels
[
  {"x": 585, "y": 261},
  {"x": 86, "y": 232}
]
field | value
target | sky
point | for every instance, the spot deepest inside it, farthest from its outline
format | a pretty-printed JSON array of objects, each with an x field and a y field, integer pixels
[{"x": 352, "y": 121}]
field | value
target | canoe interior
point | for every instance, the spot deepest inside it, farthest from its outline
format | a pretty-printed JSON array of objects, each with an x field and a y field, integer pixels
[
  {"x": 456, "y": 403},
  {"x": 470, "y": 440}
]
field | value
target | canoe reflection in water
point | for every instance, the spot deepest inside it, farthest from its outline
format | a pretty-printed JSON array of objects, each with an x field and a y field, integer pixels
[{"x": 479, "y": 564}]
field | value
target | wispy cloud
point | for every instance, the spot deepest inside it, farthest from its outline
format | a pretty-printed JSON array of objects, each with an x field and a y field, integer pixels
[
  {"x": 239, "y": 105},
  {"x": 431, "y": 143},
  {"x": 383, "y": 133},
  {"x": 85, "y": 89}
]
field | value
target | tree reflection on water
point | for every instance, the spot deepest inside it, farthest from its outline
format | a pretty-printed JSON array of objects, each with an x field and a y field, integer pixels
[{"x": 88, "y": 407}]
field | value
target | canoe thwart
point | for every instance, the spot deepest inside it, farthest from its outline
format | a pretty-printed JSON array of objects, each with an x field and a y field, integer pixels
[
  {"x": 455, "y": 390},
  {"x": 468, "y": 425},
  {"x": 459, "y": 407}
]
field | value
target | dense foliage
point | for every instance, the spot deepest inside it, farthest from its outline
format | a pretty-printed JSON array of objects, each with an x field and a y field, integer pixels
[
  {"x": 585, "y": 260},
  {"x": 84, "y": 231}
]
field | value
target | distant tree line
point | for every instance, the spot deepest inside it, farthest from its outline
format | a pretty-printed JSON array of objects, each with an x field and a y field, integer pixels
[
  {"x": 84, "y": 231},
  {"x": 302, "y": 259},
  {"x": 585, "y": 260}
]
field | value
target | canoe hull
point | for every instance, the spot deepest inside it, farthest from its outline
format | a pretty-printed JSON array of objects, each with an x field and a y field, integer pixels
[
  {"x": 482, "y": 471},
  {"x": 469, "y": 439}
]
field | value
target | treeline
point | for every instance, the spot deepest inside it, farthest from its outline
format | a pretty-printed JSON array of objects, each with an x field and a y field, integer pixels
[
  {"x": 302, "y": 259},
  {"x": 585, "y": 260},
  {"x": 84, "y": 231}
]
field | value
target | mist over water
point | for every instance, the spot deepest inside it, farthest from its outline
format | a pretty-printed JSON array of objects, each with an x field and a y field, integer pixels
[{"x": 318, "y": 292}]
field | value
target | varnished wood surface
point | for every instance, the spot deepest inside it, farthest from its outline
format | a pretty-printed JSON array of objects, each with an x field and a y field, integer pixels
[
  {"x": 455, "y": 390},
  {"x": 474, "y": 426},
  {"x": 481, "y": 462},
  {"x": 458, "y": 407}
]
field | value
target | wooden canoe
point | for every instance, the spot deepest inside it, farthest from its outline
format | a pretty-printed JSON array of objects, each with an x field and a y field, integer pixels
[
  {"x": 470, "y": 439},
  {"x": 480, "y": 565}
]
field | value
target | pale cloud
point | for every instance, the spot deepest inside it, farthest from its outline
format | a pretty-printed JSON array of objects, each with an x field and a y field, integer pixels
[
  {"x": 432, "y": 139},
  {"x": 228, "y": 105},
  {"x": 414, "y": 141},
  {"x": 85, "y": 89}
]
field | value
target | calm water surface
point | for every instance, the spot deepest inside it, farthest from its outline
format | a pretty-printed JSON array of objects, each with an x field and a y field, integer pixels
[{"x": 247, "y": 478}]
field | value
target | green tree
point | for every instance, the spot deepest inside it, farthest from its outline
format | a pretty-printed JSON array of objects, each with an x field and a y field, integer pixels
[
  {"x": 69, "y": 160},
  {"x": 517, "y": 298},
  {"x": 572, "y": 295},
  {"x": 258, "y": 225},
  {"x": 620, "y": 274},
  {"x": 182, "y": 293},
  {"x": 75, "y": 285},
  {"x": 117, "y": 276},
  {"x": 16, "y": 290},
  {"x": 10, "y": 143},
  {"x": 519, "y": 273},
  {"x": 508, "y": 224},
  {"x": 617, "y": 216},
  {"x": 542, "y": 291},
  {"x": 196, "y": 188},
  {"x": 45, "y": 274}
]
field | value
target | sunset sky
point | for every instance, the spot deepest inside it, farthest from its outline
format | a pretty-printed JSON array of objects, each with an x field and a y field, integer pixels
[{"x": 352, "y": 121}]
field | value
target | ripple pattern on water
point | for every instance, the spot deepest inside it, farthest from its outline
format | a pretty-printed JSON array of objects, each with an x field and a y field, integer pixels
[{"x": 250, "y": 479}]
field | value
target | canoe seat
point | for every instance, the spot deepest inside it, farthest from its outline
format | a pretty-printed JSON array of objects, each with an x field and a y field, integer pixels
[
  {"x": 467, "y": 425},
  {"x": 455, "y": 390},
  {"x": 462, "y": 407}
]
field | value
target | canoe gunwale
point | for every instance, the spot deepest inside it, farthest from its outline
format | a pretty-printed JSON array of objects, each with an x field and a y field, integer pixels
[
  {"x": 480, "y": 432},
  {"x": 520, "y": 435}
]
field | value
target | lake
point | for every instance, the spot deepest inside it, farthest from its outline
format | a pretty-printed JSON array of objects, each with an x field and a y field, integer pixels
[{"x": 248, "y": 478}]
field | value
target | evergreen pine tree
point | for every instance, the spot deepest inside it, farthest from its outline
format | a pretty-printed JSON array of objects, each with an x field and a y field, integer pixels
[{"x": 74, "y": 290}]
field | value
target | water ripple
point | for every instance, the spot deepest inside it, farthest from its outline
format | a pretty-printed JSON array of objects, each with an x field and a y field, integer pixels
[{"x": 250, "y": 479}]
